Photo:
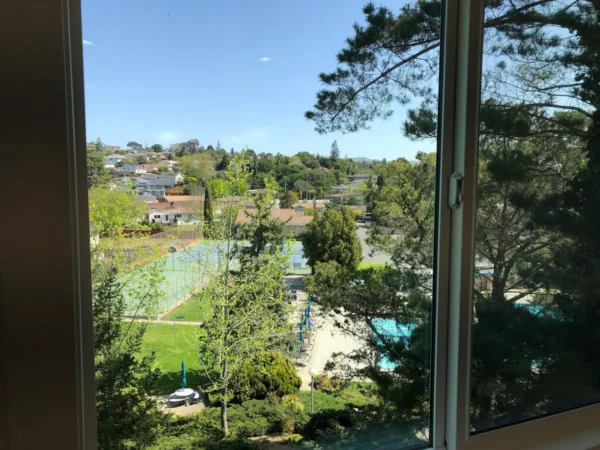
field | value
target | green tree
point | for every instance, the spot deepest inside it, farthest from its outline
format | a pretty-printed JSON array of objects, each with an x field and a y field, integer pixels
[
  {"x": 157, "y": 148},
  {"x": 334, "y": 153},
  {"x": 113, "y": 210},
  {"x": 247, "y": 300},
  {"x": 127, "y": 414},
  {"x": 200, "y": 166},
  {"x": 208, "y": 206},
  {"x": 132, "y": 145},
  {"x": 289, "y": 199},
  {"x": 332, "y": 237},
  {"x": 96, "y": 173},
  {"x": 266, "y": 373},
  {"x": 223, "y": 163}
]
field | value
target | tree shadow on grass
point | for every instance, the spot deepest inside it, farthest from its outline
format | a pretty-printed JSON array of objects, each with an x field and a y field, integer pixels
[{"x": 169, "y": 382}]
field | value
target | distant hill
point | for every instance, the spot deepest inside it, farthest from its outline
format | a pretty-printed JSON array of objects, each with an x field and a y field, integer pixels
[{"x": 362, "y": 160}]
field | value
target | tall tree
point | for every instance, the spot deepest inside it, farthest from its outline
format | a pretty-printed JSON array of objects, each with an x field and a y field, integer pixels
[
  {"x": 334, "y": 152},
  {"x": 127, "y": 414},
  {"x": 199, "y": 166},
  {"x": 332, "y": 237},
  {"x": 96, "y": 173},
  {"x": 157, "y": 148},
  {"x": 208, "y": 206},
  {"x": 246, "y": 295},
  {"x": 288, "y": 199},
  {"x": 132, "y": 145}
]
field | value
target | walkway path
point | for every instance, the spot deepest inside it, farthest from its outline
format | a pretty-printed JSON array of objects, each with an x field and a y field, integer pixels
[
  {"x": 164, "y": 322},
  {"x": 328, "y": 340}
]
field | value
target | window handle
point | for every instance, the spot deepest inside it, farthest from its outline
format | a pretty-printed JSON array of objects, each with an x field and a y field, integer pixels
[{"x": 455, "y": 194}]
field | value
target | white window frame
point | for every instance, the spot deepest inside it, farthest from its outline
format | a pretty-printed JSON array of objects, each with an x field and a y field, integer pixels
[{"x": 59, "y": 405}]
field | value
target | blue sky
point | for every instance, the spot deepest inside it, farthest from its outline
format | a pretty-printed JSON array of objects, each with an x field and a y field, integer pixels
[{"x": 240, "y": 72}]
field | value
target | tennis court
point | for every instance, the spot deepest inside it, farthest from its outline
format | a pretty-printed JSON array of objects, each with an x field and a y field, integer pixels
[{"x": 186, "y": 270}]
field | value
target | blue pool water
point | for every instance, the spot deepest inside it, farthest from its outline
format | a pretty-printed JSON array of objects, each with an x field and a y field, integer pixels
[{"x": 391, "y": 329}]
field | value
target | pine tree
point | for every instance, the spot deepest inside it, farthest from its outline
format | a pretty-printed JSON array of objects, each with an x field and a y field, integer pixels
[
  {"x": 208, "y": 207},
  {"x": 127, "y": 414},
  {"x": 334, "y": 153}
]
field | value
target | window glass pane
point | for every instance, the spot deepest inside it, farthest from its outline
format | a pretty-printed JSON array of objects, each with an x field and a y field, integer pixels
[
  {"x": 262, "y": 181},
  {"x": 536, "y": 300}
]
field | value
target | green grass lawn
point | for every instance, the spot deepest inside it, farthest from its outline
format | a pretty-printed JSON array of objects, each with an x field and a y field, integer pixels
[
  {"x": 356, "y": 393},
  {"x": 196, "y": 309},
  {"x": 170, "y": 350}
]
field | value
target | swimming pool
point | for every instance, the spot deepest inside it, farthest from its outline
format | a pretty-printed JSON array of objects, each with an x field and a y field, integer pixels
[{"x": 393, "y": 330}]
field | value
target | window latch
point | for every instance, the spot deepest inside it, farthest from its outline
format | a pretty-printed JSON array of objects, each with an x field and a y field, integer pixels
[{"x": 455, "y": 194}]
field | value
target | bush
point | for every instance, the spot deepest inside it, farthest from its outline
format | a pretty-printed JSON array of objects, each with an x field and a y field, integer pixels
[
  {"x": 329, "y": 423},
  {"x": 265, "y": 373},
  {"x": 241, "y": 423}
]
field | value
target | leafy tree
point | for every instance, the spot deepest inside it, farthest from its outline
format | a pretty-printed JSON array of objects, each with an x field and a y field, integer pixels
[
  {"x": 334, "y": 153},
  {"x": 332, "y": 237},
  {"x": 200, "y": 166},
  {"x": 127, "y": 414},
  {"x": 132, "y": 145},
  {"x": 113, "y": 210},
  {"x": 96, "y": 173},
  {"x": 246, "y": 296},
  {"x": 289, "y": 199},
  {"x": 157, "y": 148},
  {"x": 266, "y": 373}
]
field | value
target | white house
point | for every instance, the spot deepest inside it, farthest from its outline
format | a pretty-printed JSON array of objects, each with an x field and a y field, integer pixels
[
  {"x": 131, "y": 169},
  {"x": 113, "y": 159},
  {"x": 178, "y": 215}
]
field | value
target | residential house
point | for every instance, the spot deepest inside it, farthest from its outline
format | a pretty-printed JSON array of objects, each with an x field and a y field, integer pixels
[
  {"x": 150, "y": 168},
  {"x": 132, "y": 169},
  {"x": 339, "y": 199},
  {"x": 302, "y": 207},
  {"x": 113, "y": 159},
  {"x": 167, "y": 163},
  {"x": 293, "y": 221},
  {"x": 147, "y": 187},
  {"x": 188, "y": 211},
  {"x": 166, "y": 180}
]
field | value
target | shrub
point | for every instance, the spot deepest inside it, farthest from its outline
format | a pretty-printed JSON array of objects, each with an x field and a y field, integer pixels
[
  {"x": 265, "y": 373},
  {"x": 241, "y": 423},
  {"x": 329, "y": 423}
]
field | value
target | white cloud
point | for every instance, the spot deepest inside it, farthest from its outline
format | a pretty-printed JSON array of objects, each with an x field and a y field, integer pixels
[
  {"x": 166, "y": 137},
  {"x": 265, "y": 59},
  {"x": 87, "y": 42}
]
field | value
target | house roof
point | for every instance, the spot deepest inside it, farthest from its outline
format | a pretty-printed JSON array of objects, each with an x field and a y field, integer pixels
[
  {"x": 150, "y": 166},
  {"x": 310, "y": 205},
  {"x": 184, "y": 198},
  {"x": 175, "y": 210},
  {"x": 115, "y": 155},
  {"x": 288, "y": 216}
]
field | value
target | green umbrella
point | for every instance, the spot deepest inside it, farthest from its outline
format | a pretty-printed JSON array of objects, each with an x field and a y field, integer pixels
[{"x": 183, "y": 374}]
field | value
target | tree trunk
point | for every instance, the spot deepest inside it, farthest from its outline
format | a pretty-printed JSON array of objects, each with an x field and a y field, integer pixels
[{"x": 224, "y": 424}]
